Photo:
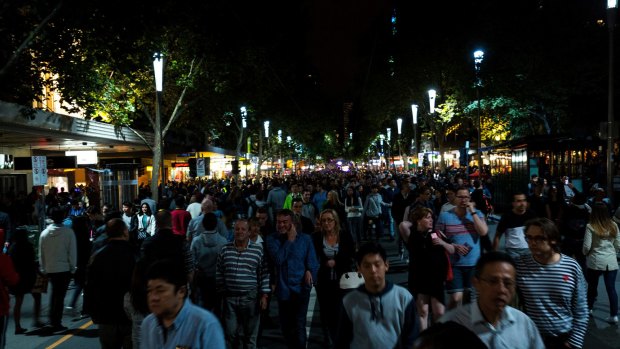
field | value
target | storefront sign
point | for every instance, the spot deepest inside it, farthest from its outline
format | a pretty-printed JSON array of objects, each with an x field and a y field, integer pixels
[
  {"x": 200, "y": 167},
  {"x": 39, "y": 170}
]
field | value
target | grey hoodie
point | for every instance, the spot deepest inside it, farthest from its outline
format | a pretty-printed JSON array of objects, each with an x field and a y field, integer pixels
[{"x": 205, "y": 248}]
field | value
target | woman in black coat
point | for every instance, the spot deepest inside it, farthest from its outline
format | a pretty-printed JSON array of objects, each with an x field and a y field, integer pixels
[
  {"x": 25, "y": 262},
  {"x": 335, "y": 249}
]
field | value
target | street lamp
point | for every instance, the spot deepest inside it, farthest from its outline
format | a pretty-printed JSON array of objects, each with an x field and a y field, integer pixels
[
  {"x": 244, "y": 124},
  {"x": 431, "y": 99},
  {"x": 612, "y": 6},
  {"x": 399, "y": 125},
  {"x": 431, "y": 102},
  {"x": 158, "y": 69},
  {"x": 414, "y": 113},
  {"x": 478, "y": 57},
  {"x": 244, "y": 116},
  {"x": 388, "y": 131}
]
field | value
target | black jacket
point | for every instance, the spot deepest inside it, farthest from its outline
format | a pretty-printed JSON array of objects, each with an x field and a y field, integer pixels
[{"x": 108, "y": 278}]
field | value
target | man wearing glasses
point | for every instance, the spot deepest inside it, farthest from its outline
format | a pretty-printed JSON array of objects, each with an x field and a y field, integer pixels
[
  {"x": 491, "y": 318},
  {"x": 464, "y": 225},
  {"x": 552, "y": 287}
]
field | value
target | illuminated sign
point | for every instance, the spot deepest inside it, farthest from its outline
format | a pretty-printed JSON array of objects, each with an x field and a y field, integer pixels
[{"x": 84, "y": 157}]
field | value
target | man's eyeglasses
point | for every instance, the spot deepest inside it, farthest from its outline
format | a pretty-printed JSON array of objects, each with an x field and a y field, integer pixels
[
  {"x": 508, "y": 283},
  {"x": 462, "y": 197},
  {"x": 536, "y": 239}
]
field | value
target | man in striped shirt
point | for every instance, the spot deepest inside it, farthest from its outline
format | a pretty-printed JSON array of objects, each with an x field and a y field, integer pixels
[
  {"x": 464, "y": 225},
  {"x": 242, "y": 278},
  {"x": 552, "y": 287}
]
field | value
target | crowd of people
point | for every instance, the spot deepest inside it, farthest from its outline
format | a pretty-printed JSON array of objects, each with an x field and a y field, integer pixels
[{"x": 200, "y": 267}]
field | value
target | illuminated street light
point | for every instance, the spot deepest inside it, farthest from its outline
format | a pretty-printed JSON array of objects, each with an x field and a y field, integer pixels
[
  {"x": 414, "y": 115},
  {"x": 612, "y": 6},
  {"x": 478, "y": 57},
  {"x": 244, "y": 116},
  {"x": 399, "y": 124},
  {"x": 431, "y": 99},
  {"x": 158, "y": 67},
  {"x": 266, "y": 126},
  {"x": 158, "y": 70}
]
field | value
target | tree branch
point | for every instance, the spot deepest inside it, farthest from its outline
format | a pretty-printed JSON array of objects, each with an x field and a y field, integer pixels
[
  {"x": 30, "y": 39},
  {"x": 177, "y": 108},
  {"x": 147, "y": 113},
  {"x": 141, "y": 137}
]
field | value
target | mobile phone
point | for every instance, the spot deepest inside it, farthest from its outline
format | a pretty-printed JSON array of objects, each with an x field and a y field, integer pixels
[
  {"x": 434, "y": 236},
  {"x": 468, "y": 247}
]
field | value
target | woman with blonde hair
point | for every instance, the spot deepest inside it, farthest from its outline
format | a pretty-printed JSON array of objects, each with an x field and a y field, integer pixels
[
  {"x": 600, "y": 245},
  {"x": 333, "y": 202},
  {"x": 335, "y": 249}
]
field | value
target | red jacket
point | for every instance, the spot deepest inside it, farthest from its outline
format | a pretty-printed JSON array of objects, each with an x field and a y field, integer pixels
[
  {"x": 8, "y": 277},
  {"x": 180, "y": 221}
]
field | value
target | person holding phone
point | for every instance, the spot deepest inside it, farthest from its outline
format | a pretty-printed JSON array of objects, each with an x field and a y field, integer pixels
[
  {"x": 464, "y": 225},
  {"x": 428, "y": 264}
]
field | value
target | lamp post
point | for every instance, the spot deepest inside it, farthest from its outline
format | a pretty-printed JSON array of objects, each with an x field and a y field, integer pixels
[
  {"x": 158, "y": 68},
  {"x": 432, "y": 94},
  {"x": 280, "y": 150},
  {"x": 399, "y": 125},
  {"x": 414, "y": 114},
  {"x": 388, "y": 132},
  {"x": 266, "y": 128},
  {"x": 612, "y": 6},
  {"x": 244, "y": 124},
  {"x": 381, "y": 138},
  {"x": 478, "y": 57}
]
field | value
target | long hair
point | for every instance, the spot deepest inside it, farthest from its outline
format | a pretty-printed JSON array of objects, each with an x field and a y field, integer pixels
[
  {"x": 336, "y": 221},
  {"x": 352, "y": 200},
  {"x": 148, "y": 210},
  {"x": 602, "y": 225},
  {"x": 332, "y": 197}
]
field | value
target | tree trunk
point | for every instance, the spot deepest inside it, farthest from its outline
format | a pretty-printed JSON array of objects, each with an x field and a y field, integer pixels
[{"x": 157, "y": 160}]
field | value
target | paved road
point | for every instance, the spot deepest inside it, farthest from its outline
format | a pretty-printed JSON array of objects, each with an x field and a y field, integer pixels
[{"x": 83, "y": 334}]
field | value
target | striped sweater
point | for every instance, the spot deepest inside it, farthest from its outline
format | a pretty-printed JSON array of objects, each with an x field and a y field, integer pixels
[
  {"x": 554, "y": 296},
  {"x": 242, "y": 271}
]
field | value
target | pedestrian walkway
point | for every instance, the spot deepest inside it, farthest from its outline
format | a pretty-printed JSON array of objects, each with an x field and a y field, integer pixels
[{"x": 83, "y": 334}]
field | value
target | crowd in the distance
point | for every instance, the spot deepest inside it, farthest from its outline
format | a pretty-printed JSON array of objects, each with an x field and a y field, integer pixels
[{"x": 201, "y": 267}]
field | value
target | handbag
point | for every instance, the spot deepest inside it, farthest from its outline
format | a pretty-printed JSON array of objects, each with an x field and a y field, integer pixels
[
  {"x": 351, "y": 280},
  {"x": 40, "y": 283}
]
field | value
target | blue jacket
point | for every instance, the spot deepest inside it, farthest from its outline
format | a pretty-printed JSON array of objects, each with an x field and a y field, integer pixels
[{"x": 291, "y": 261}]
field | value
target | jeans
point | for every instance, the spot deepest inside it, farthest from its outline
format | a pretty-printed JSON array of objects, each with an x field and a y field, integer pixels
[
  {"x": 60, "y": 283},
  {"x": 355, "y": 228},
  {"x": 390, "y": 221},
  {"x": 115, "y": 336},
  {"x": 241, "y": 319},
  {"x": 293, "y": 319},
  {"x": 609, "y": 277}
]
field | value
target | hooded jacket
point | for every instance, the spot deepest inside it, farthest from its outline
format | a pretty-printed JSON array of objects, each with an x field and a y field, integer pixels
[
  {"x": 387, "y": 319},
  {"x": 205, "y": 248},
  {"x": 57, "y": 249}
]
